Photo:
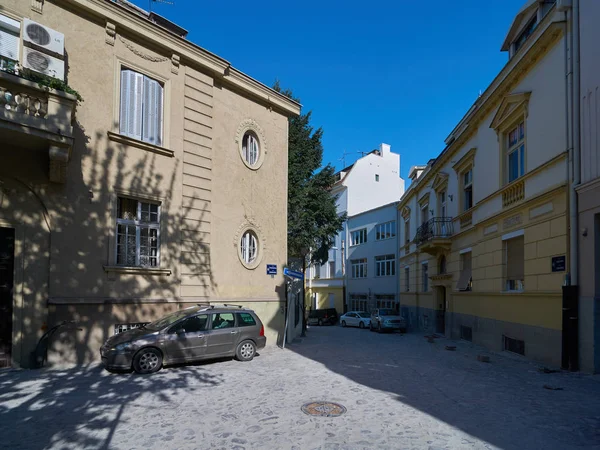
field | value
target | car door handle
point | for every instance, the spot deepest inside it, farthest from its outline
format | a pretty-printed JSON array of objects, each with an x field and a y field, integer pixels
[{"x": 234, "y": 332}]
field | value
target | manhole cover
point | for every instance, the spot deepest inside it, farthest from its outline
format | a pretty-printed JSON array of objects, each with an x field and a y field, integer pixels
[{"x": 325, "y": 409}]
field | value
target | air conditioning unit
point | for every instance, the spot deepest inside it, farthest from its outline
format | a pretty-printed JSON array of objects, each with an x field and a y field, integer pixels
[
  {"x": 43, "y": 37},
  {"x": 43, "y": 63}
]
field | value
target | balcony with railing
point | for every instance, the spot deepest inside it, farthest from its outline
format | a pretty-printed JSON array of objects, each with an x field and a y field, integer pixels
[
  {"x": 37, "y": 118},
  {"x": 434, "y": 235}
]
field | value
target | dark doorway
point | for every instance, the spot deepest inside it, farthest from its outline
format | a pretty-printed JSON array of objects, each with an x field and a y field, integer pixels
[
  {"x": 7, "y": 263},
  {"x": 441, "y": 311}
]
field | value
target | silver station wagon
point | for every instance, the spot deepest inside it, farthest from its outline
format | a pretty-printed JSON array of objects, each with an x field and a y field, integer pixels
[{"x": 192, "y": 334}]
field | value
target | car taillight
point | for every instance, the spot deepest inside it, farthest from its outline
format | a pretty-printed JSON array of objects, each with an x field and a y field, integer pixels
[
  {"x": 262, "y": 330},
  {"x": 326, "y": 316}
]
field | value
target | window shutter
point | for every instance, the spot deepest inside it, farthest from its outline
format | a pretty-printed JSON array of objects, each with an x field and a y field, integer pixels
[
  {"x": 515, "y": 258},
  {"x": 152, "y": 112},
  {"x": 130, "y": 120},
  {"x": 9, "y": 37}
]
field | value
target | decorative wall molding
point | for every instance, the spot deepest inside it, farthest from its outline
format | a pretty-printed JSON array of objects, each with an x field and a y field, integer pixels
[
  {"x": 251, "y": 125},
  {"x": 510, "y": 222},
  {"x": 133, "y": 49},
  {"x": 111, "y": 32},
  {"x": 37, "y": 6},
  {"x": 175, "y": 64}
]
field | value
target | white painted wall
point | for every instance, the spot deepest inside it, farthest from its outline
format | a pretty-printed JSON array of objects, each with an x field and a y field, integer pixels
[
  {"x": 590, "y": 90},
  {"x": 364, "y": 192},
  {"x": 371, "y": 249}
]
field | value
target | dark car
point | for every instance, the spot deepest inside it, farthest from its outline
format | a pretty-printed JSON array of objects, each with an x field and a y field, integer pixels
[
  {"x": 192, "y": 334},
  {"x": 323, "y": 316}
]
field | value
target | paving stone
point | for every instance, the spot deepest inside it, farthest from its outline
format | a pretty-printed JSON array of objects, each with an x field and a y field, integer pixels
[{"x": 400, "y": 393}]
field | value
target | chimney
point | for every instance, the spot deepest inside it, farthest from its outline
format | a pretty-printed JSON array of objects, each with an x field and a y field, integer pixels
[{"x": 384, "y": 149}]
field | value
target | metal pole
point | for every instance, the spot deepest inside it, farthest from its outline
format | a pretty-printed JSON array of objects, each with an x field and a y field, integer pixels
[{"x": 303, "y": 334}]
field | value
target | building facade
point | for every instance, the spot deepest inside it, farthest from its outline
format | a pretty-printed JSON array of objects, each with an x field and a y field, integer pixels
[
  {"x": 588, "y": 191},
  {"x": 166, "y": 186},
  {"x": 372, "y": 181},
  {"x": 484, "y": 226},
  {"x": 371, "y": 278}
]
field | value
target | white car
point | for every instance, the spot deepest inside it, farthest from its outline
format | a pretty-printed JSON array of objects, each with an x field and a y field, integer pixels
[{"x": 360, "y": 319}]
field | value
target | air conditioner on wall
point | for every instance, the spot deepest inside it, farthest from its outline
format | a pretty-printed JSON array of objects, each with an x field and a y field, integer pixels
[
  {"x": 43, "y": 37},
  {"x": 43, "y": 63}
]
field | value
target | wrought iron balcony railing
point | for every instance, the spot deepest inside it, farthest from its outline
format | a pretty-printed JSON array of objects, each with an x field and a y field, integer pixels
[{"x": 435, "y": 228}]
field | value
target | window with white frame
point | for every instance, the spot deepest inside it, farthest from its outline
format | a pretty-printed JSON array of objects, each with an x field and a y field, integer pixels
[
  {"x": 425, "y": 274},
  {"x": 138, "y": 233},
  {"x": 386, "y": 301},
  {"x": 359, "y": 268},
  {"x": 424, "y": 213},
  {"x": 385, "y": 266},
  {"x": 141, "y": 108},
  {"x": 249, "y": 247},
  {"x": 250, "y": 148},
  {"x": 407, "y": 279},
  {"x": 467, "y": 183},
  {"x": 358, "y": 302},
  {"x": 514, "y": 263},
  {"x": 358, "y": 237},
  {"x": 385, "y": 230},
  {"x": 442, "y": 198},
  {"x": 331, "y": 269},
  {"x": 377, "y": 178},
  {"x": 10, "y": 38},
  {"x": 515, "y": 152}
]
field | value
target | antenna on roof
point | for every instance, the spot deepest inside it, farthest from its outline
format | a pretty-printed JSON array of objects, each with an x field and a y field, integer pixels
[
  {"x": 343, "y": 159},
  {"x": 166, "y": 2}
]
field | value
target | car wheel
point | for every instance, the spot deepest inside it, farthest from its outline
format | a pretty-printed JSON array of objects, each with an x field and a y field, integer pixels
[
  {"x": 344, "y": 323},
  {"x": 320, "y": 323},
  {"x": 245, "y": 351},
  {"x": 147, "y": 360},
  {"x": 361, "y": 325}
]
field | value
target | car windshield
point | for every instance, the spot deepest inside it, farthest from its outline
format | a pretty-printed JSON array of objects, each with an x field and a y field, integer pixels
[
  {"x": 168, "y": 320},
  {"x": 387, "y": 312},
  {"x": 363, "y": 314}
]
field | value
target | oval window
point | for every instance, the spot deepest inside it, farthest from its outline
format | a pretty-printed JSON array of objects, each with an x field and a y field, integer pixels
[
  {"x": 249, "y": 247},
  {"x": 250, "y": 148}
]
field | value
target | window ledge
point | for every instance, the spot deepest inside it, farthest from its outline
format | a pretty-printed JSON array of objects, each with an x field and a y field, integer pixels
[
  {"x": 137, "y": 270},
  {"x": 116, "y": 137}
]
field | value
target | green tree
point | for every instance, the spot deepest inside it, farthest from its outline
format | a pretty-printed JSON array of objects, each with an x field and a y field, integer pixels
[{"x": 313, "y": 221}]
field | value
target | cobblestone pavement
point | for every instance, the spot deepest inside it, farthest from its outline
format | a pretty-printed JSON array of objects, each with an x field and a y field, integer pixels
[{"x": 400, "y": 393}]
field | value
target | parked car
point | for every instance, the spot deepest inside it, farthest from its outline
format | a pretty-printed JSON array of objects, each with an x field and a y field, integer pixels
[
  {"x": 360, "y": 319},
  {"x": 323, "y": 316},
  {"x": 192, "y": 334},
  {"x": 387, "y": 319}
]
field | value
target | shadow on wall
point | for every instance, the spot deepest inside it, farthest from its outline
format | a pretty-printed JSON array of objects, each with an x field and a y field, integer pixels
[
  {"x": 69, "y": 239},
  {"x": 85, "y": 404}
]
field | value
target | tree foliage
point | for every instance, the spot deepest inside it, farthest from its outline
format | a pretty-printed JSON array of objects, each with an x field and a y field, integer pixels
[{"x": 313, "y": 220}]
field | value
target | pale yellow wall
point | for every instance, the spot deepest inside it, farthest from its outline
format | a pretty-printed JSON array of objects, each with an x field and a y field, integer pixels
[{"x": 323, "y": 297}]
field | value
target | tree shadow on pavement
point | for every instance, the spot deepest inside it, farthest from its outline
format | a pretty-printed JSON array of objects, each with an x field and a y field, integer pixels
[
  {"x": 83, "y": 406},
  {"x": 503, "y": 402}
]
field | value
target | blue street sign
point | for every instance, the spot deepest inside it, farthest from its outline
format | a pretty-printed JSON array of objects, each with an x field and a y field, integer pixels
[
  {"x": 293, "y": 274},
  {"x": 271, "y": 269}
]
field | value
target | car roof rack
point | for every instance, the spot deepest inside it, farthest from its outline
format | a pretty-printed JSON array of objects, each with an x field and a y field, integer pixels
[
  {"x": 229, "y": 304},
  {"x": 206, "y": 305}
]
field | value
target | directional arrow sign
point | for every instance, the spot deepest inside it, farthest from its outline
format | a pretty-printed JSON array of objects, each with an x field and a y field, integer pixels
[{"x": 293, "y": 274}]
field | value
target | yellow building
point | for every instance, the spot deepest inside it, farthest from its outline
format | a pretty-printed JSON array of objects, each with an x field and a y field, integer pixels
[
  {"x": 484, "y": 226},
  {"x": 165, "y": 187}
]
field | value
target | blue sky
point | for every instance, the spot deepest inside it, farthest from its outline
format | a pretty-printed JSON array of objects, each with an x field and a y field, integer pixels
[{"x": 401, "y": 72}]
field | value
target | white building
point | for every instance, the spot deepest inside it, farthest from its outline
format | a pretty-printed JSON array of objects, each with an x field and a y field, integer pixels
[
  {"x": 371, "y": 182},
  {"x": 371, "y": 278}
]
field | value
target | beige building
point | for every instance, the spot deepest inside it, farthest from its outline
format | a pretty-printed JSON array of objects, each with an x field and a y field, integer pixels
[
  {"x": 165, "y": 187},
  {"x": 484, "y": 226}
]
